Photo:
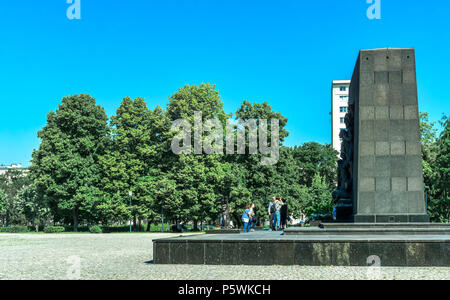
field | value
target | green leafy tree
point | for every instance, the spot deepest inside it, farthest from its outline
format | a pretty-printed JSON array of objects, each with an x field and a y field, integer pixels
[
  {"x": 32, "y": 206},
  {"x": 319, "y": 198},
  {"x": 260, "y": 180},
  {"x": 65, "y": 168},
  {"x": 440, "y": 202},
  {"x": 11, "y": 182},
  {"x": 195, "y": 176},
  {"x": 3, "y": 206}
]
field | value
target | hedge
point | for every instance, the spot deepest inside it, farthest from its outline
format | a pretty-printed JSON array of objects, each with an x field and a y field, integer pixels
[
  {"x": 14, "y": 229},
  {"x": 54, "y": 229},
  {"x": 95, "y": 229}
]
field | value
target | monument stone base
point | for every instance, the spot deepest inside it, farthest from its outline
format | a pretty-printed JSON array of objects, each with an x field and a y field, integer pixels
[{"x": 333, "y": 245}]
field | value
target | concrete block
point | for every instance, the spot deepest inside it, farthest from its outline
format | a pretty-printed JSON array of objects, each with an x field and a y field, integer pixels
[
  {"x": 413, "y": 148},
  {"x": 178, "y": 252},
  {"x": 399, "y": 202},
  {"x": 396, "y": 112},
  {"x": 382, "y": 148},
  {"x": 413, "y": 165},
  {"x": 195, "y": 253},
  {"x": 367, "y": 184},
  {"x": 398, "y": 166},
  {"x": 366, "y": 62},
  {"x": 398, "y": 148},
  {"x": 231, "y": 252},
  {"x": 366, "y": 131},
  {"x": 366, "y": 96},
  {"x": 381, "y": 95},
  {"x": 415, "y": 184},
  {"x": 367, "y": 166},
  {"x": 381, "y": 130},
  {"x": 322, "y": 254},
  {"x": 359, "y": 252},
  {"x": 381, "y": 112},
  {"x": 367, "y": 148},
  {"x": 397, "y": 130},
  {"x": 411, "y": 112},
  {"x": 395, "y": 77},
  {"x": 409, "y": 76},
  {"x": 367, "y": 112},
  {"x": 284, "y": 253},
  {"x": 434, "y": 254},
  {"x": 399, "y": 184},
  {"x": 416, "y": 202},
  {"x": 161, "y": 253},
  {"x": 380, "y": 61},
  {"x": 409, "y": 94},
  {"x": 415, "y": 254},
  {"x": 394, "y": 61},
  {"x": 382, "y": 166},
  {"x": 213, "y": 253},
  {"x": 383, "y": 202},
  {"x": 367, "y": 79},
  {"x": 390, "y": 254},
  {"x": 383, "y": 184},
  {"x": 381, "y": 77},
  {"x": 408, "y": 59},
  {"x": 395, "y": 95},
  {"x": 366, "y": 202},
  {"x": 341, "y": 254},
  {"x": 303, "y": 254},
  {"x": 412, "y": 130}
]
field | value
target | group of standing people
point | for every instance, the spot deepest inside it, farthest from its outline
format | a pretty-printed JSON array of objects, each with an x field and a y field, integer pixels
[{"x": 278, "y": 215}]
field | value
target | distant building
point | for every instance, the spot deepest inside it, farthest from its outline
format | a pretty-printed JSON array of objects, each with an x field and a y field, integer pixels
[
  {"x": 4, "y": 169},
  {"x": 339, "y": 106}
]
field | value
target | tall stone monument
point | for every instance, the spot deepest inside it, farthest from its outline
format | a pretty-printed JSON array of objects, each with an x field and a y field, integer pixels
[{"x": 386, "y": 177}]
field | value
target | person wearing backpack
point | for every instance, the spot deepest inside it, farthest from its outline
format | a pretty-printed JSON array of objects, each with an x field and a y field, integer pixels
[
  {"x": 271, "y": 211},
  {"x": 277, "y": 219},
  {"x": 246, "y": 218}
]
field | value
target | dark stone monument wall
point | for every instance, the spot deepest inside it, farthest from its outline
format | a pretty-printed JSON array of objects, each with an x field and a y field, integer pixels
[{"x": 388, "y": 180}]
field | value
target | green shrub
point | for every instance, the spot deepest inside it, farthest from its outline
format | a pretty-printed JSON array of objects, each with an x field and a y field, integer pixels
[
  {"x": 125, "y": 228},
  {"x": 54, "y": 229},
  {"x": 95, "y": 229},
  {"x": 79, "y": 229},
  {"x": 14, "y": 229}
]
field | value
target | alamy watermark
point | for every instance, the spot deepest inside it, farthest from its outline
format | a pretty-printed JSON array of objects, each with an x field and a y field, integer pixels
[
  {"x": 374, "y": 267},
  {"x": 74, "y": 10},
  {"x": 374, "y": 10},
  {"x": 213, "y": 142}
]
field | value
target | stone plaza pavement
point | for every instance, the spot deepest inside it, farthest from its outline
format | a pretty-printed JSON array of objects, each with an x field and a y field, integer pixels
[{"x": 129, "y": 256}]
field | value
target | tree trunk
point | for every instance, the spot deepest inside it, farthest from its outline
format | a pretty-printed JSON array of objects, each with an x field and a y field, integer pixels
[
  {"x": 195, "y": 225},
  {"x": 75, "y": 219},
  {"x": 134, "y": 222}
]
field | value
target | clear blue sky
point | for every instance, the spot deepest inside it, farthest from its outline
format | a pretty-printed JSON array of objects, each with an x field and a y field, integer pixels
[{"x": 285, "y": 52}]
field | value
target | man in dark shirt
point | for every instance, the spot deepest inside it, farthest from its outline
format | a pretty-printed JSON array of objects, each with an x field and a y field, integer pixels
[{"x": 284, "y": 214}]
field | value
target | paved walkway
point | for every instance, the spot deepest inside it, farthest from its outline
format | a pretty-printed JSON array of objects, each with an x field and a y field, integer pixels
[{"x": 129, "y": 256}]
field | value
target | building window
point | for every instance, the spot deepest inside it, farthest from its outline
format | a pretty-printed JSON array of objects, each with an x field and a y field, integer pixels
[
  {"x": 343, "y": 97},
  {"x": 343, "y": 109},
  {"x": 342, "y": 120},
  {"x": 343, "y": 88}
]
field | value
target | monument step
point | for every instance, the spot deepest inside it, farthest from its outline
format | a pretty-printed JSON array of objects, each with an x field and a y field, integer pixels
[
  {"x": 385, "y": 225},
  {"x": 410, "y": 230}
]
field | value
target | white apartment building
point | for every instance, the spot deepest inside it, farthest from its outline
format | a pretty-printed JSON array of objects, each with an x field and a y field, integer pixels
[
  {"x": 339, "y": 106},
  {"x": 3, "y": 169}
]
